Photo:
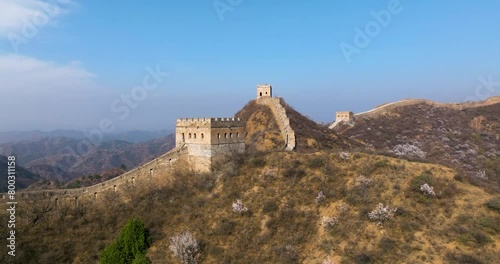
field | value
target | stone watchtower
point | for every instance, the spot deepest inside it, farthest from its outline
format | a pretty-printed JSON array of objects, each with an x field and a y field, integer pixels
[
  {"x": 207, "y": 138},
  {"x": 345, "y": 116},
  {"x": 264, "y": 90}
]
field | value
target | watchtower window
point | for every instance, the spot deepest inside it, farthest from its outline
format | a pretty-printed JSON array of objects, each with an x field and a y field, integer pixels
[
  {"x": 202, "y": 136},
  {"x": 237, "y": 135},
  {"x": 225, "y": 135},
  {"x": 189, "y": 135},
  {"x": 194, "y": 135},
  {"x": 218, "y": 135},
  {"x": 266, "y": 92},
  {"x": 183, "y": 137},
  {"x": 260, "y": 93},
  {"x": 231, "y": 135}
]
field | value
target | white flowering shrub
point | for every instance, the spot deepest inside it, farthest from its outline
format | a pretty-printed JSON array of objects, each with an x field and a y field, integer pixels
[
  {"x": 329, "y": 222},
  {"x": 342, "y": 207},
  {"x": 185, "y": 247},
  {"x": 408, "y": 150},
  {"x": 363, "y": 182},
  {"x": 320, "y": 197},
  {"x": 270, "y": 172},
  {"x": 427, "y": 189},
  {"x": 328, "y": 261},
  {"x": 238, "y": 207},
  {"x": 345, "y": 155},
  {"x": 382, "y": 213},
  {"x": 482, "y": 175}
]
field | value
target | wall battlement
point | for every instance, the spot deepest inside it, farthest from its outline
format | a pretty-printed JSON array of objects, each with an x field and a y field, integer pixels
[{"x": 211, "y": 122}]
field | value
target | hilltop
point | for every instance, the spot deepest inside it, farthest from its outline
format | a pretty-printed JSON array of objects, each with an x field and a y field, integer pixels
[
  {"x": 304, "y": 206},
  {"x": 284, "y": 222},
  {"x": 464, "y": 136},
  {"x": 263, "y": 133}
]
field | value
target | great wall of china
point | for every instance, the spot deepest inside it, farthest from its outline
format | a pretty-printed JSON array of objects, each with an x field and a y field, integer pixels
[
  {"x": 138, "y": 176},
  {"x": 198, "y": 141},
  {"x": 391, "y": 106},
  {"x": 282, "y": 119}
]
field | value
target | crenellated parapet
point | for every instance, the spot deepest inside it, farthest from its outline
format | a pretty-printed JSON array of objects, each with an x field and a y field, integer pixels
[{"x": 210, "y": 122}]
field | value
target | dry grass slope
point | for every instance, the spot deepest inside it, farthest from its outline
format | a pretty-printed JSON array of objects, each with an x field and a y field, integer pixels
[
  {"x": 283, "y": 224},
  {"x": 466, "y": 139}
]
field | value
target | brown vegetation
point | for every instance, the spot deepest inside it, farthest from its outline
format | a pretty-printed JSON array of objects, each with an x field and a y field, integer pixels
[
  {"x": 466, "y": 139},
  {"x": 283, "y": 222}
]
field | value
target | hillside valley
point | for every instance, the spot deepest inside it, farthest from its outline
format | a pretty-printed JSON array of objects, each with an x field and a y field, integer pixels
[
  {"x": 60, "y": 159},
  {"x": 463, "y": 136},
  {"x": 332, "y": 199}
]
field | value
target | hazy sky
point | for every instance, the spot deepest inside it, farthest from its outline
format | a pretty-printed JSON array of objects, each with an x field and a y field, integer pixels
[{"x": 118, "y": 65}]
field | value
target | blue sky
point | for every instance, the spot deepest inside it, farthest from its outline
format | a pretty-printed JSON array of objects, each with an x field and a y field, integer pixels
[{"x": 88, "y": 54}]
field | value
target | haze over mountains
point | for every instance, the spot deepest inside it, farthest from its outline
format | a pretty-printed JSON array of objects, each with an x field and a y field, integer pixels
[
  {"x": 55, "y": 156},
  {"x": 132, "y": 136},
  {"x": 322, "y": 201}
]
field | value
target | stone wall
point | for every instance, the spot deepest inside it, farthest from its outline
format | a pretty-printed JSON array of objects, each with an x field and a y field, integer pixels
[
  {"x": 282, "y": 119},
  {"x": 456, "y": 106},
  {"x": 144, "y": 174},
  {"x": 206, "y": 138},
  {"x": 385, "y": 108},
  {"x": 209, "y": 131},
  {"x": 342, "y": 116}
]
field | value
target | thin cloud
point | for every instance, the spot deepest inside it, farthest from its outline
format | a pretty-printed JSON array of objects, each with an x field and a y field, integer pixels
[
  {"x": 45, "y": 95},
  {"x": 23, "y": 73},
  {"x": 16, "y": 14}
]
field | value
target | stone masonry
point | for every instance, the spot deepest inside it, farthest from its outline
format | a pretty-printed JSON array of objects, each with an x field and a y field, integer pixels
[
  {"x": 342, "y": 117},
  {"x": 264, "y": 90},
  {"x": 198, "y": 141},
  {"x": 279, "y": 113},
  {"x": 207, "y": 138}
]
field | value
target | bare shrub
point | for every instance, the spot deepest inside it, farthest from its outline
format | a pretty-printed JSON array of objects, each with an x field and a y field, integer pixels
[
  {"x": 363, "y": 182},
  {"x": 238, "y": 207},
  {"x": 329, "y": 222},
  {"x": 481, "y": 175},
  {"x": 427, "y": 189},
  {"x": 328, "y": 261},
  {"x": 382, "y": 213},
  {"x": 408, "y": 150},
  {"x": 345, "y": 155},
  {"x": 320, "y": 197},
  {"x": 185, "y": 247}
]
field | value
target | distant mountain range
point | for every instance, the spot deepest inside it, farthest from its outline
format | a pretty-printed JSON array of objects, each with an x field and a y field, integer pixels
[
  {"x": 60, "y": 158},
  {"x": 133, "y": 136}
]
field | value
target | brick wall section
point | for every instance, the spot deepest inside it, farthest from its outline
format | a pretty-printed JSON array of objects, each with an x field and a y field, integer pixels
[
  {"x": 282, "y": 119},
  {"x": 456, "y": 106},
  {"x": 143, "y": 174}
]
